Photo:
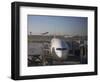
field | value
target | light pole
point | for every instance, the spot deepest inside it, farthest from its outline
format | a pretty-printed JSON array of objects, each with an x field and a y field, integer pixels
[
  {"x": 30, "y": 33},
  {"x": 43, "y": 55}
]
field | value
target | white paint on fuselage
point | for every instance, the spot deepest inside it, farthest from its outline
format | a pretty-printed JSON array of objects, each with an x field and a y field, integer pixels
[{"x": 59, "y": 49}]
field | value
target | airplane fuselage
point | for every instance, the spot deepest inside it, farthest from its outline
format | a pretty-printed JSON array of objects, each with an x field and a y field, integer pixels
[{"x": 59, "y": 49}]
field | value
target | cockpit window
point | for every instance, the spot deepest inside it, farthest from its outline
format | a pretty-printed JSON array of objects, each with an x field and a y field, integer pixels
[{"x": 61, "y": 48}]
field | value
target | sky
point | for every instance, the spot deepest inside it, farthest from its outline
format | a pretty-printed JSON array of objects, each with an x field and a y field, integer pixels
[{"x": 58, "y": 25}]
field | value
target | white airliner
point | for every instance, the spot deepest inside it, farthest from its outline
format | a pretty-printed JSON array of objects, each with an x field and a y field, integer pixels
[{"x": 59, "y": 49}]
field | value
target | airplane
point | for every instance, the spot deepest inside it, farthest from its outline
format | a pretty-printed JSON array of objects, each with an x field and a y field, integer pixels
[{"x": 59, "y": 49}]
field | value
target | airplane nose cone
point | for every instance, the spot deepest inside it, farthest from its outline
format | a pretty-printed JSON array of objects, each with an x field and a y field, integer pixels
[{"x": 59, "y": 54}]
